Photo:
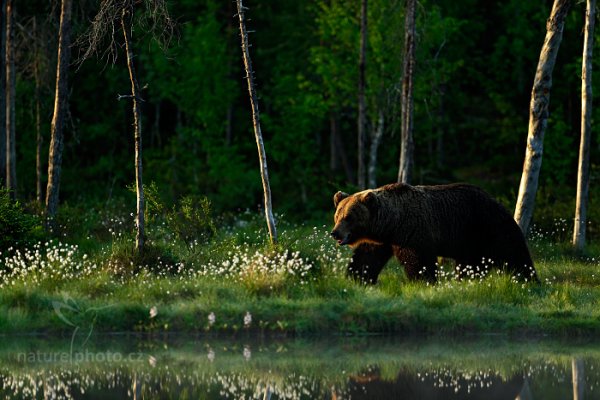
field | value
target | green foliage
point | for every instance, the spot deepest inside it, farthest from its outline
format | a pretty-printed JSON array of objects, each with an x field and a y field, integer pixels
[
  {"x": 192, "y": 220},
  {"x": 473, "y": 76},
  {"x": 125, "y": 261},
  {"x": 17, "y": 228}
]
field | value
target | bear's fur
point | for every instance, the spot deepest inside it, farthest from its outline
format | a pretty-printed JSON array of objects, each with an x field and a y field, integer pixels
[{"x": 417, "y": 224}]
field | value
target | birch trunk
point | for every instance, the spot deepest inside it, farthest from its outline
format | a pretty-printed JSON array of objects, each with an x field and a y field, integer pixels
[
  {"x": 538, "y": 114},
  {"x": 126, "y": 19},
  {"x": 375, "y": 141},
  {"x": 578, "y": 377},
  {"x": 583, "y": 171},
  {"x": 406, "y": 135},
  {"x": 256, "y": 122},
  {"x": 11, "y": 166},
  {"x": 60, "y": 111},
  {"x": 362, "y": 105}
]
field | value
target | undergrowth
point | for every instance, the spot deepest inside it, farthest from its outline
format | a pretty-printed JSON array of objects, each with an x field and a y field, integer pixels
[{"x": 231, "y": 274}]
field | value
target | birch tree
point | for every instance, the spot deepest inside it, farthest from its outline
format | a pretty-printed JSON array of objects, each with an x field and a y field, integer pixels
[
  {"x": 126, "y": 26},
  {"x": 538, "y": 114},
  {"x": 583, "y": 170},
  {"x": 115, "y": 16},
  {"x": 262, "y": 156},
  {"x": 60, "y": 111},
  {"x": 406, "y": 134},
  {"x": 376, "y": 137},
  {"x": 11, "y": 162},
  {"x": 362, "y": 103}
]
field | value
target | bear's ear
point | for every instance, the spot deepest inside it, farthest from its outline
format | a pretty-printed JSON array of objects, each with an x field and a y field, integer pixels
[
  {"x": 370, "y": 199},
  {"x": 339, "y": 196}
]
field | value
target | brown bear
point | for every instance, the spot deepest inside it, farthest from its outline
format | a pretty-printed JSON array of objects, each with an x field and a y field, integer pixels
[{"x": 419, "y": 223}]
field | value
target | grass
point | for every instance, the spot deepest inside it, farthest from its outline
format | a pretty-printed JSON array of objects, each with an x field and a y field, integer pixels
[{"x": 297, "y": 287}]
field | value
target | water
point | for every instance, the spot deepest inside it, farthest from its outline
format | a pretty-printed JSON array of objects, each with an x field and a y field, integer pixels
[{"x": 245, "y": 367}]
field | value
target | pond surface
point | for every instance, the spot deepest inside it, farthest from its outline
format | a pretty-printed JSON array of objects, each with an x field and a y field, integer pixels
[{"x": 121, "y": 367}]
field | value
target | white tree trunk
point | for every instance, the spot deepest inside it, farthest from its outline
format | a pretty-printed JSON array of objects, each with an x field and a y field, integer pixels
[
  {"x": 262, "y": 156},
  {"x": 578, "y": 378},
  {"x": 583, "y": 171},
  {"x": 140, "y": 236},
  {"x": 375, "y": 141},
  {"x": 538, "y": 114},
  {"x": 406, "y": 144}
]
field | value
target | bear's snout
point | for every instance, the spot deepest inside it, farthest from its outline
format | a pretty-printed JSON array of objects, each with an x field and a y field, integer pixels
[{"x": 337, "y": 235}]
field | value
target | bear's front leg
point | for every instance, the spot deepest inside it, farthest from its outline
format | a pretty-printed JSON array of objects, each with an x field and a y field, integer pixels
[{"x": 367, "y": 262}]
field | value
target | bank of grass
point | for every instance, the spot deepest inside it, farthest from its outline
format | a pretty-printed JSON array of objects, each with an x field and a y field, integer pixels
[{"x": 234, "y": 283}]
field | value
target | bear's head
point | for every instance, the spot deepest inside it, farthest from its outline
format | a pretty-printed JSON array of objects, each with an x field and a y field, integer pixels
[{"x": 354, "y": 217}]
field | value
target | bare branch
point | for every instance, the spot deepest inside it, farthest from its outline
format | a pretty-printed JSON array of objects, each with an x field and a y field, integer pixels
[{"x": 101, "y": 37}]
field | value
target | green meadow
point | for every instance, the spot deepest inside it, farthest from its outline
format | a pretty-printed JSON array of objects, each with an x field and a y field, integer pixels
[{"x": 228, "y": 280}]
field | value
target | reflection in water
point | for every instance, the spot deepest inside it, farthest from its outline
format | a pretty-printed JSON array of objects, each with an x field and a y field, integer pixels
[
  {"x": 359, "y": 368},
  {"x": 437, "y": 385}
]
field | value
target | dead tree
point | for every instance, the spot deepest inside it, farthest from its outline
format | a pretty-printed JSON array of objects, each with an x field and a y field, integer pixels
[
  {"x": 114, "y": 16},
  {"x": 126, "y": 24},
  {"x": 262, "y": 156},
  {"x": 583, "y": 170},
  {"x": 538, "y": 114},
  {"x": 60, "y": 111},
  {"x": 406, "y": 134}
]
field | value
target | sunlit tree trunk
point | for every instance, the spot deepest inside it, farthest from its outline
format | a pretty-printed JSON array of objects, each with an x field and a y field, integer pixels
[
  {"x": 583, "y": 171},
  {"x": 362, "y": 104},
  {"x": 406, "y": 134},
  {"x": 60, "y": 110},
  {"x": 262, "y": 156},
  {"x": 11, "y": 162},
  {"x": 538, "y": 114},
  {"x": 375, "y": 141},
  {"x": 126, "y": 20},
  {"x": 578, "y": 378}
]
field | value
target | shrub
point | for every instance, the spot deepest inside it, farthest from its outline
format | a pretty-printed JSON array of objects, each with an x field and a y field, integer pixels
[
  {"x": 192, "y": 220},
  {"x": 125, "y": 261},
  {"x": 17, "y": 228}
]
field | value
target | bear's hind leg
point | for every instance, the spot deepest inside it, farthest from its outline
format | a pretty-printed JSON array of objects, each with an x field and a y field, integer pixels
[
  {"x": 367, "y": 262},
  {"x": 522, "y": 268},
  {"x": 418, "y": 267}
]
